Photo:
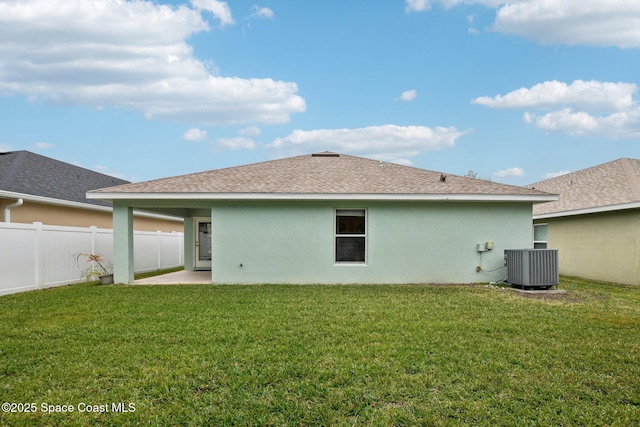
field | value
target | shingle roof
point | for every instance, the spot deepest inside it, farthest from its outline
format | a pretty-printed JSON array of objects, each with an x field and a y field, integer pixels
[
  {"x": 322, "y": 173},
  {"x": 29, "y": 173},
  {"x": 607, "y": 185}
]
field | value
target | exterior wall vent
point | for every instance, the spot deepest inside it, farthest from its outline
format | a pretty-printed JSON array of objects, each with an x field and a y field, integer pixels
[
  {"x": 325, "y": 154},
  {"x": 532, "y": 268}
]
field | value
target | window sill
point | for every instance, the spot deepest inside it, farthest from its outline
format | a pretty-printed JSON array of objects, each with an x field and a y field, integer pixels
[{"x": 347, "y": 264}]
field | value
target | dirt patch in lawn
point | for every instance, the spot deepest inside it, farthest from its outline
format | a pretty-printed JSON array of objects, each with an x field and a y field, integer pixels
[{"x": 547, "y": 295}]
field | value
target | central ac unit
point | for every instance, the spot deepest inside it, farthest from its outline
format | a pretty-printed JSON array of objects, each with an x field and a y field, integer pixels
[{"x": 532, "y": 268}]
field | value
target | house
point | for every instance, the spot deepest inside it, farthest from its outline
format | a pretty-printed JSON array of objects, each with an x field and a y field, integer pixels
[
  {"x": 332, "y": 218},
  {"x": 35, "y": 188},
  {"x": 595, "y": 223}
]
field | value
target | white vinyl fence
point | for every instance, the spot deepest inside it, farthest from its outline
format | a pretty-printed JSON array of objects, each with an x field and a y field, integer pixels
[{"x": 37, "y": 256}]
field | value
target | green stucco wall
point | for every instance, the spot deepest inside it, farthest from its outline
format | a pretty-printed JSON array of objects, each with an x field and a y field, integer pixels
[
  {"x": 411, "y": 242},
  {"x": 603, "y": 246}
]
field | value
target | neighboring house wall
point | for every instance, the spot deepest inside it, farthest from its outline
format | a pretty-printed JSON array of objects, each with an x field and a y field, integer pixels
[
  {"x": 31, "y": 212},
  {"x": 600, "y": 246},
  {"x": 407, "y": 242}
]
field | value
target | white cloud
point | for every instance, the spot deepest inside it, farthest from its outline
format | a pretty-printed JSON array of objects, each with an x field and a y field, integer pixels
[
  {"x": 195, "y": 134},
  {"x": 262, "y": 12},
  {"x": 237, "y": 143},
  {"x": 43, "y": 145},
  {"x": 219, "y": 9},
  {"x": 387, "y": 142},
  {"x": 5, "y": 148},
  {"x": 250, "y": 131},
  {"x": 571, "y": 22},
  {"x": 595, "y": 95},
  {"x": 105, "y": 53},
  {"x": 471, "y": 20},
  {"x": 624, "y": 124},
  {"x": 242, "y": 142},
  {"x": 408, "y": 95},
  {"x": 422, "y": 5},
  {"x": 509, "y": 173},
  {"x": 416, "y": 5},
  {"x": 582, "y": 109}
]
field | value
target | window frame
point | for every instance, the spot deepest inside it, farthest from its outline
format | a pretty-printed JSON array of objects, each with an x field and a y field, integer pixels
[
  {"x": 541, "y": 244},
  {"x": 336, "y": 236}
]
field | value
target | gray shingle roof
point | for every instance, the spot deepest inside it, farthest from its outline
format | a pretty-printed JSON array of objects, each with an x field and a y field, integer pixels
[
  {"x": 29, "y": 173},
  {"x": 607, "y": 185},
  {"x": 322, "y": 173}
]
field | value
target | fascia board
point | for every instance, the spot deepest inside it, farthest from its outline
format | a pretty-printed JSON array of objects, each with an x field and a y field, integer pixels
[
  {"x": 586, "y": 211},
  {"x": 52, "y": 201},
  {"x": 325, "y": 196},
  {"x": 79, "y": 205}
]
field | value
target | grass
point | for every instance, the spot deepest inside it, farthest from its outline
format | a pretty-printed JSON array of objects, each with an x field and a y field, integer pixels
[{"x": 322, "y": 355}]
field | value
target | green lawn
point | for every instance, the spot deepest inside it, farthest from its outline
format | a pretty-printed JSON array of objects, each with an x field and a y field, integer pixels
[{"x": 321, "y": 355}]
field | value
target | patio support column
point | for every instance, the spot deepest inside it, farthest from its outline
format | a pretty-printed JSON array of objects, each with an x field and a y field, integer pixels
[
  {"x": 189, "y": 244},
  {"x": 122, "y": 244}
]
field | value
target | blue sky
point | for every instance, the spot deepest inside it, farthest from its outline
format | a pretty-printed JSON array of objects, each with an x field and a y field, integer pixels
[{"x": 516, "y": 92}]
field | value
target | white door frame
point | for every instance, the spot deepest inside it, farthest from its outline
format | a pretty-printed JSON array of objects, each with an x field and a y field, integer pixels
[{"x": 202, "y": 251}]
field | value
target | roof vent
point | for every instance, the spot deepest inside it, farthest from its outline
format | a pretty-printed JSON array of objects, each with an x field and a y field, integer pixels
[
  {"x": 325, "y": 154},
  {"x": 443, "y": 177}
]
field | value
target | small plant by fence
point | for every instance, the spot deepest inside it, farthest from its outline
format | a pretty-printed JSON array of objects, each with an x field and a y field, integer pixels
[{"x": 38, "y": 256}]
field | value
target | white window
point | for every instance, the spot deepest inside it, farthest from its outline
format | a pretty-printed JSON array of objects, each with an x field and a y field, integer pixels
[
  {"x": 350, "y": 234},
  {"x": 540, "y": 236}
]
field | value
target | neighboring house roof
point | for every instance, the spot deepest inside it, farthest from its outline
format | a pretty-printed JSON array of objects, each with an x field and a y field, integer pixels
[
  {"x": 606, "y": 187},
  {"x": 26, "y": 173},
  {"x": 321, "y": 176}
]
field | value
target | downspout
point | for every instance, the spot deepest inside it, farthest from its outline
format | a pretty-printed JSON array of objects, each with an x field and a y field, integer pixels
[{"x": 7, "y": 209}]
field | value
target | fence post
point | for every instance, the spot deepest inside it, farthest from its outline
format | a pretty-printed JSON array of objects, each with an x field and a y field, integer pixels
[
  {"x": 37, "y": 248},
  {"x": 181, "y": 249},
  {"x": 159, "y": 246},
  {"x": 94, "y": 234},
  {"x": 180, "y": 238}
]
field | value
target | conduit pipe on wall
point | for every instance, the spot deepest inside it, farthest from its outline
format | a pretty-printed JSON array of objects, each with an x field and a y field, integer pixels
[{"x": 7, "y": 209}]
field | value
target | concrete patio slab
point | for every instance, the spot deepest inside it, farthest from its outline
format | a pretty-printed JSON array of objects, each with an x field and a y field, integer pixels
[{"x": 178, "y": 278}]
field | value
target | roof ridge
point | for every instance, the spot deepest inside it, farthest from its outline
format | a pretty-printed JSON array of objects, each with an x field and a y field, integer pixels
[
  {"x": 325, "y": 176},
  {"x": 579, "y": 172}
]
